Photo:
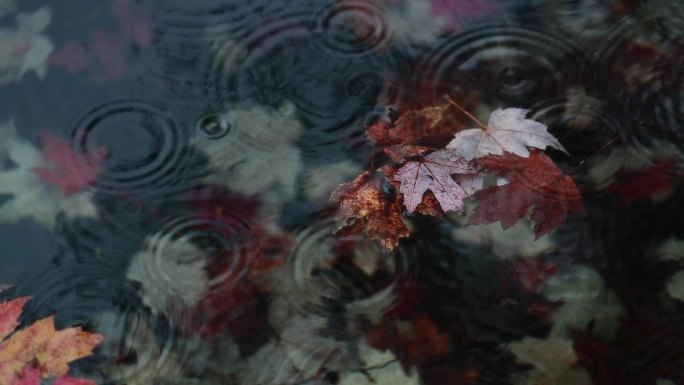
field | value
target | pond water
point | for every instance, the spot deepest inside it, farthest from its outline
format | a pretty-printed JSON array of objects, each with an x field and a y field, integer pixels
[{"x": 255, "y": 192}]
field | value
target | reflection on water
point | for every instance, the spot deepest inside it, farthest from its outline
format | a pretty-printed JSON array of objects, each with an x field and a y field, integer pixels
[{"x": 166, "y": 170}]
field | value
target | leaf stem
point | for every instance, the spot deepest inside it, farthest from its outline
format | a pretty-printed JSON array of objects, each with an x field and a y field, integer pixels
[{"x": 471, "y": 116}]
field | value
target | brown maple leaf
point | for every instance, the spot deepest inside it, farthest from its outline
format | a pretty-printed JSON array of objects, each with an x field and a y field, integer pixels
[
  {"x": 409, "y": 135},
  {"x": 363, "y": 205},
  {"x": 39, "y": 348},
  {"x": 534, "y": 183},
  {"x": 413, "y": 341}
]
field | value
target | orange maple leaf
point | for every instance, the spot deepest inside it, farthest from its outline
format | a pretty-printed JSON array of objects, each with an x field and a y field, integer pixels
[{"x": 38, "y": 347}]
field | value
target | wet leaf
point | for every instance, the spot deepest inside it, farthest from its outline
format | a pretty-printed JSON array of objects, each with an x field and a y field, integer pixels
[
  {"x": 25, "y": 48},
  {"x": 31, "y": 197},
  {"x": 38, "y": 350},
  {"x": 435, "y": 173},
  {"x": 9, "y": 315},
  {"x": 551, "y": 358},
  {"x": 172, "y": 274},
  {"x": 507, "y": 131},
  {"x": 638, "y": 185},
  {"x": 67, "y": 171},
  {"x": 256, "y": 152},
  {"x": 413, "y": 341},
  {"x": 535, "y": 184},
  {"x": 516, "y": 241},
  {"x": 410, "y": 127},
  {"x": 409, "y": 135},
  {"x": 362, "y": 203},
  {"x": 133, "y": 26},
  {"x": 66, "y": 380},
  {"x": 455, "y": 11},
  {"x": 103, "y": 57}
]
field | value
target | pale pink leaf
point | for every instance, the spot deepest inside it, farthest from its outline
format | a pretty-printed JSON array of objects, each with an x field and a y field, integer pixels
[
  {"x": 507, "y": 131},
  {"x": 434, "y": 173}
]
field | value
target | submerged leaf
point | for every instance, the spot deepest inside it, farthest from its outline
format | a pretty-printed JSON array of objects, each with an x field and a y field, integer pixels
[
  {"x": 67, "y": 171},
  {"x": 33, "y": 198}
]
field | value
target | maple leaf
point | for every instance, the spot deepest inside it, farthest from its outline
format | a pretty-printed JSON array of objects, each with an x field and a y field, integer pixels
[
  {"x": 534, "y": 183},
  {"x": 258, "y": 140},
  {"x": 552, "y": 359},
  {"x": 634, "y": 186},
  {"x": 33, "y": 198},
  {"x": 39, "y": 350},
  {"x": 25, "y": 48},
  {"x": 408, "y": 128},
  {"x": 457, "y": 10},
  {"x": 507, "y": 131},
  {"x": 68, "y": 172},
  {"x": 362, "y": 203},
  {"x": 434, "y": 172},
  {"x": 413, "y": 341},
  {"x": 414, "y": 129}
]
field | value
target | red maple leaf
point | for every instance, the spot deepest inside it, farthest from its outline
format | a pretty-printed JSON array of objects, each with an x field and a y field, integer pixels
[
  {"x": 68, "y": 171},
  {"x": 534, "y": 183},
  {"x": 639, "y": 185}
]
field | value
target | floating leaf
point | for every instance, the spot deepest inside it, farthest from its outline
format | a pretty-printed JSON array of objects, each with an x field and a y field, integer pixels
[
  {"x": 507, "y": 131},
  {"x": 362, "y": 203},
  {"x": 38, "y": 350},
  {"x": 435, "y": 173},
  {"x": 534, "y": 183}
]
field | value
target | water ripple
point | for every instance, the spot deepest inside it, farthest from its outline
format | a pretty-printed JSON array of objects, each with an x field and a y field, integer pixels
[
  {"x": 507, "y": 64},
  {"x": 353, "y": 27},
  {"x": 145, "y": 146}
]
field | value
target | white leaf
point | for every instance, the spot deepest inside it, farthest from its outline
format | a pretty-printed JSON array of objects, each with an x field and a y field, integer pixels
[
  {"x": 585, "y": 299},
  {"x": 26, "y": 48},
  {"x": 381, "y": 368},
  {"x": 551, "y": 357},
  {"x": 507, "y": 130},
  {"x": 675, "y": 286},
  {"x": 171, "y": 272}
]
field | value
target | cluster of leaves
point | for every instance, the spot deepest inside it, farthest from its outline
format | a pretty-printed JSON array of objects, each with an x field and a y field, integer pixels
[
  {"x": 39, "y": 351},
  {"x": 432, "y": 180}
]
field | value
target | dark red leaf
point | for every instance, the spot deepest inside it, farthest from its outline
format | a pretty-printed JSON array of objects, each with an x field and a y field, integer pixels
[{"x": 534, "y": 183}]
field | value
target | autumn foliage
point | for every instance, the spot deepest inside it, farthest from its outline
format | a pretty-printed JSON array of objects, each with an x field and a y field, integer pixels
[
  {"x": 432, "y": 180},
  {"x": 39, "y": 351}
]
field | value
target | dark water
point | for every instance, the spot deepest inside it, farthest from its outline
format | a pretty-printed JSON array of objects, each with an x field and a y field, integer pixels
[{"x": 197, "y": 144}]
